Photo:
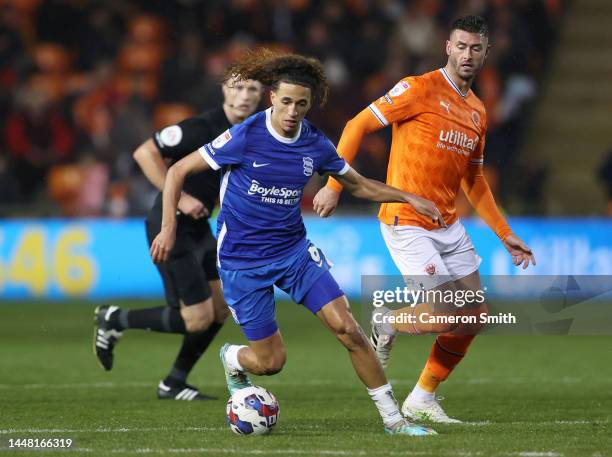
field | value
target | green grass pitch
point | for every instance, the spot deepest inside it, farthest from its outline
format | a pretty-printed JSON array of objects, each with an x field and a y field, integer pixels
[{"x": 523, "y": 396}]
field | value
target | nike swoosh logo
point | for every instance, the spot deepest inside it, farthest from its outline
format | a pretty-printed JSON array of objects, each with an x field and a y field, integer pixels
[{"x": 257, "y": 165}]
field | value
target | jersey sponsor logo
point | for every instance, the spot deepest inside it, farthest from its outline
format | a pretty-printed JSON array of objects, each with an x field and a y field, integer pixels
[
  {"x": 222, "y": 139},
  {"x": 259, "y": 165},
  {"x": 170, "y": 136},
  {"x": 308, "y": 166},
  {"x": 476, "y": 118},
  {"x": 455, "y": 140},
  {"x": 276, "y": 195}
]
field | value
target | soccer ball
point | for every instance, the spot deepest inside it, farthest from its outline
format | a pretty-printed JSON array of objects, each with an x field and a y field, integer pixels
[{"x": 252, "y": 411}]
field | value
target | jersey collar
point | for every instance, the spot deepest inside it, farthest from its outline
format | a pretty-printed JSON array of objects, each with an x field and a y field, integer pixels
[
  {"x": 275, "y": 134},
  {"x": 452, "y": 83}
]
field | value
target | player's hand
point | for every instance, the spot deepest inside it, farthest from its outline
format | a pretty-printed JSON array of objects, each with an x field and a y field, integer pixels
[
  {"x": 192, "y": 207},
  {"x": 427, "y": 208},
  {"x": 162, "y": 245},
  {"x": 520, "y": 252},
  {"x": 325, "y": 202}
]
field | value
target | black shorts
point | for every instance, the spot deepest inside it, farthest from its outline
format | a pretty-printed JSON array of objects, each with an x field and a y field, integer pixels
[{"x": 192, "y": 262}]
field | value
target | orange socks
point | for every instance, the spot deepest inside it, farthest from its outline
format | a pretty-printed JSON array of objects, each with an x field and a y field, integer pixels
[{"x": 446, "y": 353}]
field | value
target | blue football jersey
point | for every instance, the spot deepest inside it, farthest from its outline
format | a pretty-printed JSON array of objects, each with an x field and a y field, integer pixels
[{"x": 263, "y": 179}]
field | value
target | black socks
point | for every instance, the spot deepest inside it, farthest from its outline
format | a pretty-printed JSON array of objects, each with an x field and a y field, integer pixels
[{"x": 194, "y": 345}]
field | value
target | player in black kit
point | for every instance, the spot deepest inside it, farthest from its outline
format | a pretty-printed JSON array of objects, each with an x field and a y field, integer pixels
[{"x": 194, "y": 301}]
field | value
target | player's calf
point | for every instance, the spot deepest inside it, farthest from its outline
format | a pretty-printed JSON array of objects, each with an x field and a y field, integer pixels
[{"x": 270, "y": 365}]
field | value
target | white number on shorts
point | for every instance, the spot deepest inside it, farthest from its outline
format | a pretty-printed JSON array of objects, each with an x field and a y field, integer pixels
[{"x": 315, "y": 255}]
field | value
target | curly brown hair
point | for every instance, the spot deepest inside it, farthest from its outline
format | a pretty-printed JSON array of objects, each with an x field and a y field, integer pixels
[{"x": 273, "y": 67}]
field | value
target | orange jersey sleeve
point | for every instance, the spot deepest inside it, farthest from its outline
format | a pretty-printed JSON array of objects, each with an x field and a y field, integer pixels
[
  {"x": 351, "y": 138},
  {"x": 478, "y": 192}
]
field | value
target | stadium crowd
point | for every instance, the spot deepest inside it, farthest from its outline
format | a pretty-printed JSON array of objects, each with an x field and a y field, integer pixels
[{"x": 84, "y": 82}]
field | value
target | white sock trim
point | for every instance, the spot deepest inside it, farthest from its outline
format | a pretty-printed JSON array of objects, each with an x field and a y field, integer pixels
[
  {"x": 386, "y": 404},
  {"x": 420, "y": 394},
  {"x": 231, "y": 356}
]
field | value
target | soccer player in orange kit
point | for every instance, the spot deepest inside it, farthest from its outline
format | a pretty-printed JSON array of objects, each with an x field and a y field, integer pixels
[{"x": 438, "y": 140}]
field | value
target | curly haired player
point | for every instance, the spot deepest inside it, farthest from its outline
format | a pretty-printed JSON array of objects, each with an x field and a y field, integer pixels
[{"x": 266, "y": 161}]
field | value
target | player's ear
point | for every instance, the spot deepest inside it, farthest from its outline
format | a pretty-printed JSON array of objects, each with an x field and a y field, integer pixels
[
  {"x": 448, "y": 47},
  {"x": 272, "y": 96}
]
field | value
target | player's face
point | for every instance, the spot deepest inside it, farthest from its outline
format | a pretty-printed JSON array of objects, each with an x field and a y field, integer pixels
[
  {"x": 290, "y": 103},
  {"x": 466, "y": 53},
  {"x": 241, "y": 98}
]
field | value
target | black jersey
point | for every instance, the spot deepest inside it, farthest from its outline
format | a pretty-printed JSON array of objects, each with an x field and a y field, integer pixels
[{"x": 177, "y": 141}]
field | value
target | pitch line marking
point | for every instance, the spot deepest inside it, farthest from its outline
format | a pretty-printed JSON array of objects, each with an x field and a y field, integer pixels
[
  {"x": 330, "y": 452},
  {"x": 204, "y": 429},
  {"x": 273, "y": 382}
]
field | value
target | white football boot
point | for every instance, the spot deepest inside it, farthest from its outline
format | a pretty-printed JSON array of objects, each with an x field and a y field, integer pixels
[
  {"x": 426, "y": 410},
  {"x": 381, "y": 342}
]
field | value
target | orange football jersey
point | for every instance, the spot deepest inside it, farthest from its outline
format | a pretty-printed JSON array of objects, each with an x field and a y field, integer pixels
[{"x": 438, "y": 132}]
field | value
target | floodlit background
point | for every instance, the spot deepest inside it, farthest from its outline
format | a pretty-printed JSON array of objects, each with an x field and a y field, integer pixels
[{"x": 84, "y": 82}]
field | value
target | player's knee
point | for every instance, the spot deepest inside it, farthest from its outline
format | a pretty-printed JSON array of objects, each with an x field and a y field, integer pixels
[
  {"x": 443, "y": 327},
  {"x": 198, "y": 317},
  {"x": 474, "y": 321},
  {"x": 350, "y": 335}
]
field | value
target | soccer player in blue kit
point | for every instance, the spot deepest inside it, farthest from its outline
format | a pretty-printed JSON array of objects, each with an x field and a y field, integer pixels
[{"x": 266, "y": 161}]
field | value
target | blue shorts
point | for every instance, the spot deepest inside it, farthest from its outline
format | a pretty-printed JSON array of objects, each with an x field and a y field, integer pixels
[{"x": 250, "y": 293}]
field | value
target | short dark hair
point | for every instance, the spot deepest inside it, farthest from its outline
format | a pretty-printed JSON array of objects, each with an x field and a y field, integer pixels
[
  {"x": 272, "y": 67},
  {"x": 472, "y": 24}
]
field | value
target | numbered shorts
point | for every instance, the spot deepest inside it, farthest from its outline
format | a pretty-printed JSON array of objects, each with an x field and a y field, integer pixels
[
  {"x": 249, "y": 293},
  {"x": 191, "y": 265},
  {"x": 432, "y": 257}
]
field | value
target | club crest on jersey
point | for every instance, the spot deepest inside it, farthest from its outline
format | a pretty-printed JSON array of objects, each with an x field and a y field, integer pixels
[
  {"x": 170, "y": 136},
  {"x": 399, "y": 89},
  {"x": 431, "y": 269},
  {"x": 222, "y": 139},
  {"x": 308, "y": 166},
  {"x": 476, "y": 118}
]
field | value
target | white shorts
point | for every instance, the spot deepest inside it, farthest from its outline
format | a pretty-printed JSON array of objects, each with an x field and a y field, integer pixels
[{"x": 440, "y": 255}]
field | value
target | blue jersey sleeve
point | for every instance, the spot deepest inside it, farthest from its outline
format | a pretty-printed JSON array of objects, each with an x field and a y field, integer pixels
[
  {"x": 331, "y": 162},
  {"x": 226, "y": 149}
]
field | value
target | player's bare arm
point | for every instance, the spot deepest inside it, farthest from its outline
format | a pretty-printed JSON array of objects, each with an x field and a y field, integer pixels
[
  {"x": 154, "y": 167},
  {"x": 175, "y": 177},
  {"x": 327, "y": 198},
  {"x": 479, "y": 194},
  {"x": 376, "y": 191}
]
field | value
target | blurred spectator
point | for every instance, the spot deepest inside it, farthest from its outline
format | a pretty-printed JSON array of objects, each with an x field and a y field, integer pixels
[
  {"x": 37, "y": 136},
  {"x": 80, "y": 80}
]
